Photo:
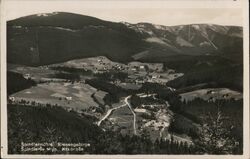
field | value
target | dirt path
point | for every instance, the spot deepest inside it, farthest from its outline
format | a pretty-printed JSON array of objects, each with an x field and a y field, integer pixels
[{"x": 129, "y": 105}]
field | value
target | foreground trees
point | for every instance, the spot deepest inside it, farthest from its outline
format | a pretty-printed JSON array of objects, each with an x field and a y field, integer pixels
[
  {"x": 214, "y": 137},
  {"x": 54, "y": 124},
  {"x": 218, "y": 131}
]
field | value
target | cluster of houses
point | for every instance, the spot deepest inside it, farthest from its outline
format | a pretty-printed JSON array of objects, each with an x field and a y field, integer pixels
[
  {"x": 107, "y": 66},
  {"x": 138, "y": 79},
  {"x": 134, "y": 69},
  {"x": 138, "y": 68},
  {"x": 211, "y": 92},
  {"x": 20, "y": 27}
]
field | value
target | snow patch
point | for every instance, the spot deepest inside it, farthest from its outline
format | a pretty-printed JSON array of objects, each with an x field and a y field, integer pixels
[
  {"x": 159, "y": 27},
  {"x": 141, "y": 25},
  {"x": 155, "y": 40},
  {"x": 196, "y": 27},
  {"x": 126, "y": 23},
  {"x": 46, "y": 14},
  {"x": 183, "y": 42},
  {"x": 66, "y": 29},
  {"x": 205, "y": 43}
]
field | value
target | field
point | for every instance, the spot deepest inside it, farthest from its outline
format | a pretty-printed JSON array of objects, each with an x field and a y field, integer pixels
[
  {"x": 76, "y": 95},
  {"x": 122, "y": 118},
  {"x": 38, "y": 74},
  {"x": 100, "y": 63},
  {"x": 130, "y": 86},
  {"x": 212, "y": 93}
]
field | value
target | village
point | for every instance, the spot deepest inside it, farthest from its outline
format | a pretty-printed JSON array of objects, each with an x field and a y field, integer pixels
[{"x": 77, "y": 95}]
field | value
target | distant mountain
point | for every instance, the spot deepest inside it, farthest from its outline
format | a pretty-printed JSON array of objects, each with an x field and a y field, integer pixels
[
  {"x": 194, "y": 39},
  {"x": 55, "y": 37}
]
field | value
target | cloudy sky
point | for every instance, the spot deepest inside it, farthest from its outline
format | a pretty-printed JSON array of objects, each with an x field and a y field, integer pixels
[{"x": 224, "y": 12}]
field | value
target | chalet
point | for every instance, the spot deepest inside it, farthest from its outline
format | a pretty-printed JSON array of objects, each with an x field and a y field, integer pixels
[
  {"x": 155, "y": 76},
  {"x": 210, "y": 92},
  {"x": 120, "y": 68},
  {"x": 138, "y": 110},
  {"x": 12, "y": 99},
  {"x": 139, "y": 81},
  {"x": 171, "y": 89},
  {"x": 142, "y": 67},
  {"x": 132, "y": 76},
  {"x": 93, "y": 110},
  {"x": 225, "y": 95},
  {"x": 68, "y": 98},
  {"x": 27, "y": 76}
]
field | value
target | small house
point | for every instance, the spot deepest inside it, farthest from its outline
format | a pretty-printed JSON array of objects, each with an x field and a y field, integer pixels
[
  {"x": 12, "y": 99},
  {"x": 154, "y": 77},
  {"x": 68, "y": 98},
  {"x": 27, "y": 76},
  {"x": 225, "y": 95},
  {"x": 142, "y": 67},
  {"x": 138, "y": 110}
]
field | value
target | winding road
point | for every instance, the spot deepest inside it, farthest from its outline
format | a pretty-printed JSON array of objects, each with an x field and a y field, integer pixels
[
  {"x": 127, "y": 103},
  {"x": 109, "y": 112}
]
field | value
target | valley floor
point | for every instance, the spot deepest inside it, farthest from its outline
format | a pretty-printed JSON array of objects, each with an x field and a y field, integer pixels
[{"x": 120, "y": 98}]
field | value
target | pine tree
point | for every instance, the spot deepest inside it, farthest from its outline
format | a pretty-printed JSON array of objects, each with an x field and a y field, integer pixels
[
  {"x": 157, "y": 146},
  {"x": 214, "y": 137}
]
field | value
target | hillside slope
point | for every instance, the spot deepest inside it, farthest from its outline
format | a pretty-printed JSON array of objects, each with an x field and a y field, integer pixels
[{"x": 39, "y": 40}]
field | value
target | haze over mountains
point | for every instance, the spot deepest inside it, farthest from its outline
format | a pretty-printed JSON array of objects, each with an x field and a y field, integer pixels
[{"x": 56, "y": 37}]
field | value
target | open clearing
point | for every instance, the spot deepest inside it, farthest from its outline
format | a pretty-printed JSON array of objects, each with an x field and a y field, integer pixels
[
  {"x": 212, "y": 93},
  {"x": 41, "y": 73},
  {"x": 130, "y": 86},
  {"x": 76, "y": 95},
  {"x": 91, "y": 63},
  {"x": 123, "y": 118}
]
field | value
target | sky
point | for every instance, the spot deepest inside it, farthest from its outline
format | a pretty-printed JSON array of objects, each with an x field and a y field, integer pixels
[{"x": 158, "y": 12}]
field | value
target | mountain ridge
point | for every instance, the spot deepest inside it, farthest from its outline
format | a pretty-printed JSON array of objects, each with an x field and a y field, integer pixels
[{"x": 59, "y": 36}]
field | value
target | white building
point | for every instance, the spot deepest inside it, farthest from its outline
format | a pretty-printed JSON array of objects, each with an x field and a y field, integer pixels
[
  {"x": 12, "y": 99},
  {"x": 68, "y": 98},
  {"x": 142, "y": 67},
  {"x": 138, "y": 110},
  {"x": 27, "y": 76}
]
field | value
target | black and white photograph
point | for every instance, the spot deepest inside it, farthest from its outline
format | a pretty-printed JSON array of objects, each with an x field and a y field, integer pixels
[{"x": 113, "y": 78}]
